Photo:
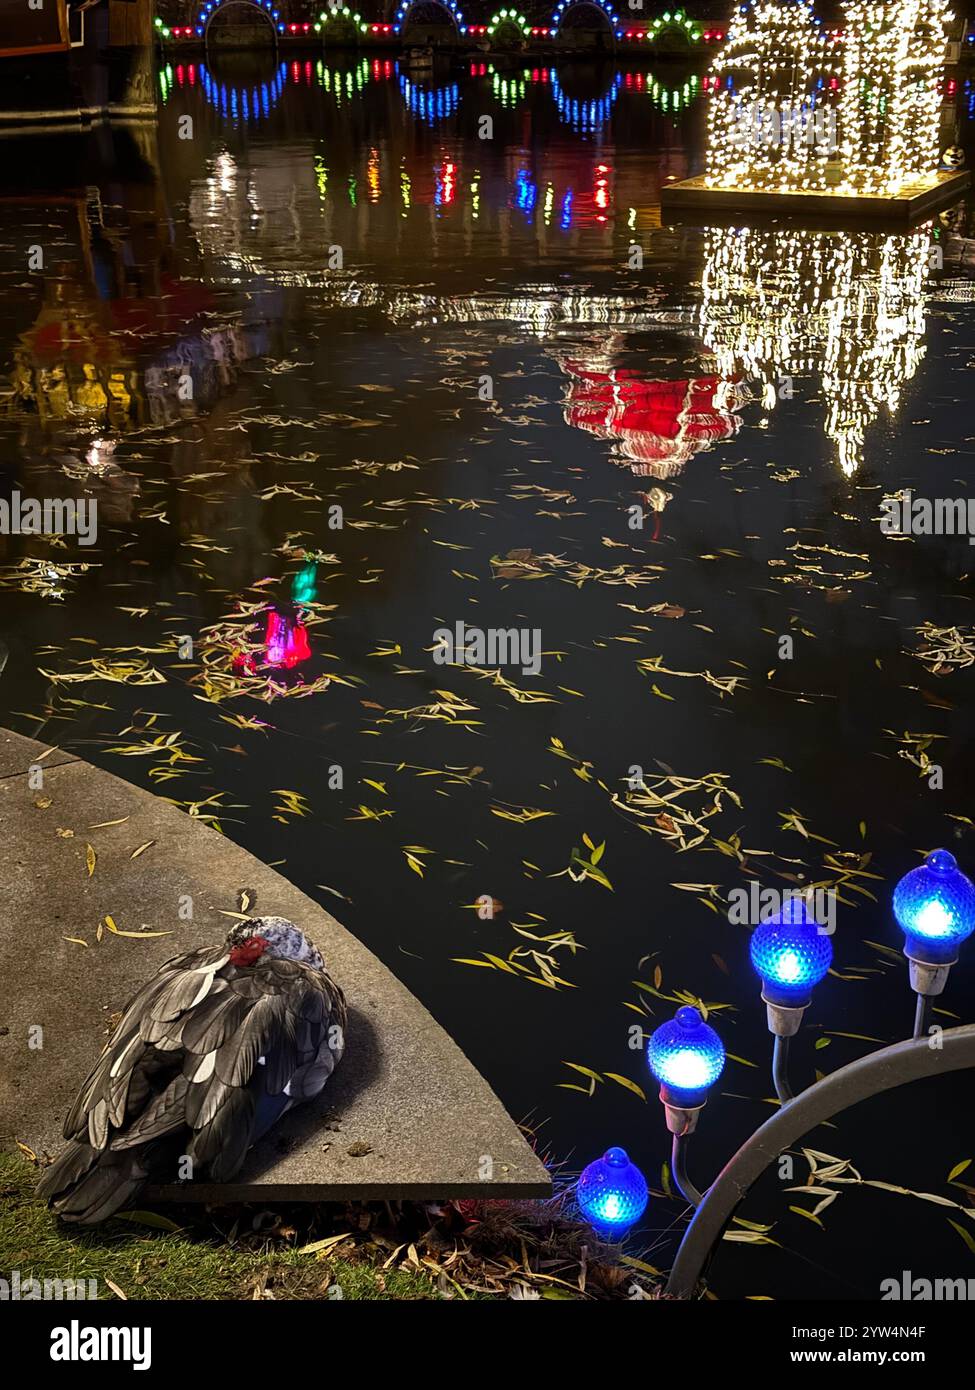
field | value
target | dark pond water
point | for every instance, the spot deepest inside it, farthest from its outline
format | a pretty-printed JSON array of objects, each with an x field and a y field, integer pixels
[{"x": 336, "y": 295}]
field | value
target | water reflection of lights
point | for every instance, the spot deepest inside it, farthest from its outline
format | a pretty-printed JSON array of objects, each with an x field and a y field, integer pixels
[
  {"x": 846, "y": 309},
  {"x": 344, "y": 83},
  {"x": 656, "y": 426},
  {"x": 430, "y": 104},
  {"x": 584, "y": 116},
  {"x": 525, "y": 193},
  {"x": 508, "y": 90},
  {"x": 236, "y": 103}
]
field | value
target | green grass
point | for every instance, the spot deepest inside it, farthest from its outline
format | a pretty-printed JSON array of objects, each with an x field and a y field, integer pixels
[{"x": 150, "y": 1264}]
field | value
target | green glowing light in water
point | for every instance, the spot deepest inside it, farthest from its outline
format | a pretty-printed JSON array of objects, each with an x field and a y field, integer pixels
[{"x": 304, "y": 587}]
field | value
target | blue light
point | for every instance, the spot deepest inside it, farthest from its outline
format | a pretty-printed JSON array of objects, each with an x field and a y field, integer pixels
[
  {"x": 686, "y": 1056},
  {"x": 791, "y": 954},
  {"x": 935, "y": 908},
  {"x": 612, "y": 1192}
]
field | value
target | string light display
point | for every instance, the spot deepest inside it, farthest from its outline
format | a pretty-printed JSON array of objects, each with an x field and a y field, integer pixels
[
  {"x": 563, "y": 7},
  {"x": 673, "y": 20},
  {"x": 336, "y": 13},
  {"x": 845, "y": 309},
  {"x": 798, "y": 107},
  {"x": 403, "y": 13},
  {"x": 890, "y": 104},
  {"x": 508, "y": 17}
]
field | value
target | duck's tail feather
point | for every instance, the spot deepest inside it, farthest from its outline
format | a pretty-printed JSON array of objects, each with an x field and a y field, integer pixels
[{"x": 86, "y": 1186}]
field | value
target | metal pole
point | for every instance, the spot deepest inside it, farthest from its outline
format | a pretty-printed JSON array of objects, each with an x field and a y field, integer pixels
[
  {"x": 868, "y": 1076},
  {"x": 678, "y": 1167},
  {"x": 780, "y": 1070},
  {"x": 921, "y": 1015}
]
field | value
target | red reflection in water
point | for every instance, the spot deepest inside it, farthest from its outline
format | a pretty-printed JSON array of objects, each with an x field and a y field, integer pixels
[
  {"x": 658, "y": 425},
  {"x": 286, "y": 640}
]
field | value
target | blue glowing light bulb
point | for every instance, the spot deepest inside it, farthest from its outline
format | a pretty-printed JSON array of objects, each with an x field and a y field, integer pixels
[
  {"x": 686, "y": 1056},
  {"x": 791, "y": 953},
  {"x": 935, "y": 908},
  {"x": 612, "y": 1192}
]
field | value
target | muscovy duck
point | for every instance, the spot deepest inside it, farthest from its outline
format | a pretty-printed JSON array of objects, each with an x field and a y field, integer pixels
[{"x": 208, "y": 1055}]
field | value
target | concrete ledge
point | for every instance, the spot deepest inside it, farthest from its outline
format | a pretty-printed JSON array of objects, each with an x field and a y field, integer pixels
[
  {"x": 917, "y": 200},
  {"x": 406, "y": 1114}
]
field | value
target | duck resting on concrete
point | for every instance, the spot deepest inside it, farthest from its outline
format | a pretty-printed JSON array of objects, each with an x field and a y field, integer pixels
[{"x": 208, "y": 1055}]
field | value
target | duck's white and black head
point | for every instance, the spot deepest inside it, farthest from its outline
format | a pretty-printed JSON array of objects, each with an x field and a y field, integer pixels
[{"x": 271, "y": 936}]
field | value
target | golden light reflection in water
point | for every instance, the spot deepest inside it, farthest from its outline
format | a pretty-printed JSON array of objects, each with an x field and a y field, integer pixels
[{"x": 842, "y": 308}]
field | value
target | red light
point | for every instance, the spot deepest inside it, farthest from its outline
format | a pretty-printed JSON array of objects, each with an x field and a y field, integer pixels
[{"x": 285, "y": 640}]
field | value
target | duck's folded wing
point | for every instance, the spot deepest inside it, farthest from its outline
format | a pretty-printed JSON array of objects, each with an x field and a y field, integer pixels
[
  {"x": 239, "y": 1047},
  {"x": 122, "y": 1077}
]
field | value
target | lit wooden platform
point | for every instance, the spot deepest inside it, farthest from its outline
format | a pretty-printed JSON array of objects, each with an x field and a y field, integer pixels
[{"x": 687, "y": 200}]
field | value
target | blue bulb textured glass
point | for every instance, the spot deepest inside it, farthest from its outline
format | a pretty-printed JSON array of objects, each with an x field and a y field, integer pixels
[
  {"x": 790, "y": 953},
  {"x": 935, "y": 908},
  {"x": 686, "y": 1056},
  {"x": 612, "y": 1192}
]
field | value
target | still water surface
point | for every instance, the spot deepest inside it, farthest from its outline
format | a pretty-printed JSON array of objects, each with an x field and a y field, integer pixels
[{"x": 338, "y": 348}]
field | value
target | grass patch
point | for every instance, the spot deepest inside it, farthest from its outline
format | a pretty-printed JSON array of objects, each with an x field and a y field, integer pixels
[
  {"x": 367, "y": 1250},
  {"x": 146, "y": 1263}
]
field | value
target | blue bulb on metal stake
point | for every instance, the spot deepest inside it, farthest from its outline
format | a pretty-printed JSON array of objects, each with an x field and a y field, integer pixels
[
  {"x": 935, "y": 908},
  {"x": 687, "y": 1057},
  {"x": 791, "y": 954},
  {"x": 612, "y": 1192}
]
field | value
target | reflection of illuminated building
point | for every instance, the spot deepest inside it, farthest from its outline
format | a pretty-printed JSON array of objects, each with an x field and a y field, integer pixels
[
  {"x": 584, "y": 116},
  {"x": 430, "y": 104},
  {"x": 845, "y": 308},
  {"x": 657, "y": 426}
]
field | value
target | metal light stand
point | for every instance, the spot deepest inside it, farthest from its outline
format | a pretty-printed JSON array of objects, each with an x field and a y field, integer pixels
[{"x": 868, "y": 1076}]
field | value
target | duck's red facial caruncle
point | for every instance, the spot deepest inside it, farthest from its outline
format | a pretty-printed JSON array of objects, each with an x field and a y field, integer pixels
[{"x": 249, "y": 951}]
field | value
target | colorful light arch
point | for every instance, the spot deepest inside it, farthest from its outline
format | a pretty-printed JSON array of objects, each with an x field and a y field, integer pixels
[
  {"x": 564, "y": 6},
  {"x": 340, "y": 12},
  {"x": 677, "y": 21},
  {"x": 503, "y": 17},
  {"x": 453, "y": 10},
  {"x": 209, "y": 9}
]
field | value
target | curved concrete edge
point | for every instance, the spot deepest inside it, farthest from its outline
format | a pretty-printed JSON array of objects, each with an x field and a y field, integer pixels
[{"x": 406, "y": 1115}]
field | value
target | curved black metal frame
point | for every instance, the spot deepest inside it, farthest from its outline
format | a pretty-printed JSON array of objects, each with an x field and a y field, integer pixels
[{"x": 880, "y": 1071}]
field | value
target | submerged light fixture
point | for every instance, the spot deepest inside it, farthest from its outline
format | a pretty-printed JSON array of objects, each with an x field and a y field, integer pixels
[
  {"x": 612, "y": 1192},
  {"x": 935, "y": 908},
  {"x": 791, "y": 953},
  {"x": 686, "y": 1056}
]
